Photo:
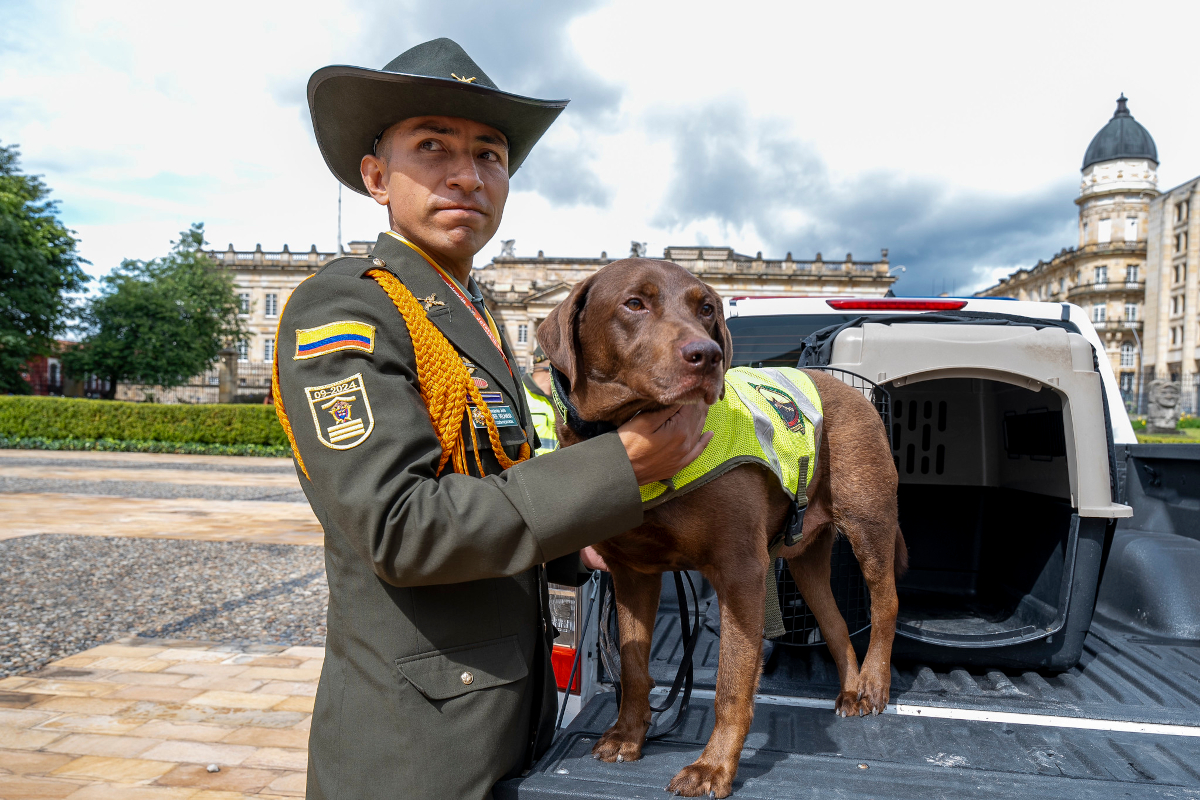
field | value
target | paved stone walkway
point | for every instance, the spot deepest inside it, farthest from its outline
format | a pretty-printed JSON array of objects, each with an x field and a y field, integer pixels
[
  {"x": 153, "y": 495},
  {"x": 143, "y": 720}
]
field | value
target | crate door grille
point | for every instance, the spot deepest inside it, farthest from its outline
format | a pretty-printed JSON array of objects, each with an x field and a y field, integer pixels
[{"x": 849, "y": 590}]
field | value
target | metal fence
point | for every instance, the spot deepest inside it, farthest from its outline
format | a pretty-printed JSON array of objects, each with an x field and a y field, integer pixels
[
  {"x": 253, "y": 382},
  {"x": 1136, "y": 402}
]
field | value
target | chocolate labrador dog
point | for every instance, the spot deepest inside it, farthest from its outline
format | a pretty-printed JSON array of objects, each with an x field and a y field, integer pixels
[{"x": 641, "y": 335}]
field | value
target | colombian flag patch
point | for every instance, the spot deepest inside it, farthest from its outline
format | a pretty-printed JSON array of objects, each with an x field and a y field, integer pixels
[{"x": 313, "y": 342}]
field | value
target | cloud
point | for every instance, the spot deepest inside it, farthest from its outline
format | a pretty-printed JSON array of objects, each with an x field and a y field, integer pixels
[{"x": 754, "y": 179}]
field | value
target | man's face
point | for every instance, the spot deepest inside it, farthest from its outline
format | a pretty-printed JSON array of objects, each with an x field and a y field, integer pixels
[{"x": 444, "y": 181}]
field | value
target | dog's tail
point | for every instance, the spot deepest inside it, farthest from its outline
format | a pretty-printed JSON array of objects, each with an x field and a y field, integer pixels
[{"x": 900, "y": 560}]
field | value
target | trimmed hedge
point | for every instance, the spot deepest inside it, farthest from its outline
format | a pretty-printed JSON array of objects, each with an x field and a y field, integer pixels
[
  {"x": 69, "y": 418},
  {"x": 1188, "y": 421},
  {"x": 144, "y": 446}
]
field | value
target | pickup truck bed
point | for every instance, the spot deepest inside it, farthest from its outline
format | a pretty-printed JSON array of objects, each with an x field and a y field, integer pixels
[
  {"x": 1124, "y": 722},
  {"x": 798, "y": 748}
]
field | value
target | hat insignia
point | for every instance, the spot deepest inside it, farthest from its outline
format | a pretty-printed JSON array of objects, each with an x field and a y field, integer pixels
[
  {"x": 431, "y": 301},
  {"x": 464, "y": 80}
]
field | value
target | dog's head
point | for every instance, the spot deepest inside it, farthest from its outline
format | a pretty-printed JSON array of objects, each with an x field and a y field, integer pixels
[{"x": 638, "y": 335}]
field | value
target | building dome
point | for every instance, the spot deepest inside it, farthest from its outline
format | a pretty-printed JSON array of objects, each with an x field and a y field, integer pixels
[{"x": 1122, "y": 137}]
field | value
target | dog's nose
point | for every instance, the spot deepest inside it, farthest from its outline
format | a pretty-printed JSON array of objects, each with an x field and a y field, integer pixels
[{"x": 701, "y": 354}]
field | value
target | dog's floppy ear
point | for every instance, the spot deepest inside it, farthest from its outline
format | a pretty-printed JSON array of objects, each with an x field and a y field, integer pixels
[{"x": 558, "y": 334}]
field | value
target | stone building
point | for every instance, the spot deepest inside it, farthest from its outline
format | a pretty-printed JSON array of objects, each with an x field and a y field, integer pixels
[
  {"x": 1105, "y": 273},
  {"x": 1172, "y": 339},
  {"x": 521, "y": 291}
]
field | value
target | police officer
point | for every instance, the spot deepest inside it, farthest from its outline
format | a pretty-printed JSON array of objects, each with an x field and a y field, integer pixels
[
  {"x": 411, "y": 436},
  {"x": 541, "y": 408}
]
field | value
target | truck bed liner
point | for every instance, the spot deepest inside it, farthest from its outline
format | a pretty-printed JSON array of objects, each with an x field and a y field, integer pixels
[
  {"x": 1122, "y": 676},
  {"x": 808, "y": 752}
]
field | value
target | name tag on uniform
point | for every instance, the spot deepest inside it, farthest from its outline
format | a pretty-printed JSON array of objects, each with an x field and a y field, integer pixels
[{"x": 503, "y": 415}]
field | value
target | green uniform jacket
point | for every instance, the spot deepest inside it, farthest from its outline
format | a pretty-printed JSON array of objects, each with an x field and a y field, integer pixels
[{"x": 437, "y": 679}]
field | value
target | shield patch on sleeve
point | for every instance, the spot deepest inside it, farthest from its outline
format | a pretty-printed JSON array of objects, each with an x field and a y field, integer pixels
[{"x": 341, "y": 412}]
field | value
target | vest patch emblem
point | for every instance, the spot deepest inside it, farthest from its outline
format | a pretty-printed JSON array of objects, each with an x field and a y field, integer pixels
[
  {"x": 784, "y": 406},
  {"x": 341, "y": 412}
]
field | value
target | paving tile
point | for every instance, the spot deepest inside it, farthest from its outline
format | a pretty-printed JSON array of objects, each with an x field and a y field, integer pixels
[
  {"x": 90, "y": 723},
  {"x": 68, "y": 688},
  {"x": 82, "y": 705},
  {"x": 181, "y": 654},
  {"x": 229, "y": 779},
  {"x": 200, "y": 753},
  {"x": 313, "y": 663},
  {"x": 268, "y": 737},
  {"x": 193, "y": 732},
  {"x": 13, "y": 682},
  {"x": 305, "y": 724},
  {"x": 148, "y": 678},
  {"x": 305, "y": 652},
  {"x": 207, "y": 669},
  {"x": 238, "y": 700},
  {"x": 304, "y": 704},
  {"x": 292, "y": 784},
  {"x": 277, "y": 674},
  {"x": 210, "y": 683},
  {"x": 249, "y": 717},
  {"x": 129, "y": 664},
  {"x": 276, "y": 661},
  {"x": 156, "y": 694},
  {"x": 115, "y": 770},
  {"x": 209, "y": 794},
  {"x": 291, "y": 688},
  {"x": 119, "y": 651},
  {"x": 23, "y": 718},
  {"x": 30, "y": 762},
  {"x": 17, "y": 699},
  {"x": 91, "y": 744},
  {"x": 278, "y": 758},
  {"x": 81, "y": 660},
  {"x": 16, "y": 739},
  {"x": 116, "y": 791},
  {"x": 19, "y": 787}
]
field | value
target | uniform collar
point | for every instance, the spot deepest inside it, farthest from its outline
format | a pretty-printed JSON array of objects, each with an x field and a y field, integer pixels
[{"x": 451, "y": 317}]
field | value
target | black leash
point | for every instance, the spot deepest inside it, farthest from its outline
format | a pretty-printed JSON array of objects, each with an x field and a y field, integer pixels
[{"x": 681, "y": 687}]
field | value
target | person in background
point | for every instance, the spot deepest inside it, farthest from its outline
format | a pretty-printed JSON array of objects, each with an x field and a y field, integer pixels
[{"x": 541, "y": 409}]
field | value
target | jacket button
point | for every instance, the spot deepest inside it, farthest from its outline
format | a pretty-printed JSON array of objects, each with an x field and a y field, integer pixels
[
  {"x": 379, "y": 262},
  {"x": 467, "y": 678}
]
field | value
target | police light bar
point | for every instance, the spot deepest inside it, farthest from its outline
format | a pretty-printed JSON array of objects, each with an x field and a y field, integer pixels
[{"x": 895, "y": 304}]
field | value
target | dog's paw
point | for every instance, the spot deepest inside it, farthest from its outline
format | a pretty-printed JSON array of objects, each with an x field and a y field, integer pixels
[
  {"x": 702, "y": 780},
  {"x": 872, "y": 695},
  {"x": 616, "y": 745},
  {"x": 847, "y": 703}
]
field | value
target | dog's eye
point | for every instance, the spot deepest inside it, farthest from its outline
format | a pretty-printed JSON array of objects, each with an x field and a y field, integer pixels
[
  {"x": 707, "y": 310},
  {"x": 634, "y": 304}
]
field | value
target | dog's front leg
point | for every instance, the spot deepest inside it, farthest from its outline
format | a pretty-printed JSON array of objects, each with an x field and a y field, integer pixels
[
  {"x": 637, "y": 604},
  {"x": 741, "y": 590}
]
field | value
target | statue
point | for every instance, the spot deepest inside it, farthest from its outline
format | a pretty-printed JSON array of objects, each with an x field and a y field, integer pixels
[
  {"x": 637, "y": 249},
  {"x": 508, "y": 248},
  {"x": 1162, "y": 412}
]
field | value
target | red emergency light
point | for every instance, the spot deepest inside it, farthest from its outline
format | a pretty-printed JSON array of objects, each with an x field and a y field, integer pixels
[{"x": 895, "y": 304}]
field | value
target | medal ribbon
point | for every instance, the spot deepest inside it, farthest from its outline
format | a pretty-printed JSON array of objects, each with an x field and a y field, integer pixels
[{"x": 488, "y": 325}]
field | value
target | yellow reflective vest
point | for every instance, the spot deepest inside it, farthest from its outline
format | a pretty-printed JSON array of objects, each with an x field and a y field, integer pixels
[
  {"x": 543, "y": 416},
  {"x": 769, "y": 416}
]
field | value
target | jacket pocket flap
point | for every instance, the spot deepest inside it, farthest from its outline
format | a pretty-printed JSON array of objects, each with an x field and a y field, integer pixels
[{"x": 450, "y": 673}]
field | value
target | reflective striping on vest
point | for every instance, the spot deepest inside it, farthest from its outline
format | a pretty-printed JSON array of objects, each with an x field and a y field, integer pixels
[
  {"x": 750, "y": 428},
  {"x": 542, "y": 413}
]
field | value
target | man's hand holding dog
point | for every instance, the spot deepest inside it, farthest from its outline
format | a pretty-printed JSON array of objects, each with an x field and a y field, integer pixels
[{"x": 661, "y": 443}]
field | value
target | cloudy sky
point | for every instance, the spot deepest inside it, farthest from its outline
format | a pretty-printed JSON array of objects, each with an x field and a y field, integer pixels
[{"x": 950, "y": 133}]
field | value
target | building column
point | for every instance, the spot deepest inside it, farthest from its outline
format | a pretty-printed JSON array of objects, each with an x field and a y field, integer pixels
[{"x": 1187, "y": 355}]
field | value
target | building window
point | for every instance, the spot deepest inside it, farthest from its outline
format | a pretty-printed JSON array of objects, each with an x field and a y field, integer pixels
[
  {"x": 269, "y": 349},
  {"x": 1181, "y": 211},
  {"x": 1102, "y": 274},
  {"x": 1105, "y": 233},
  {"x": 1131, "y": 312},
  {"x": 1131, "y": 273},
  {"x": 522, "y": 334},
  {"x": 1174, "y": 336},
  {"x": 271, "y": 305},
  {"x": 1098, "y": 312},
  {"x": 1131, "y": 229},
  {"x": 1062, "y": 285},
  {"x": 243, "y": 350},
  {"x": 1128, "y": 354},
  {"x": 1180, "y": 242},
  {"x": 1126, "y": 377},
  {"x": 244, "y": 302}
]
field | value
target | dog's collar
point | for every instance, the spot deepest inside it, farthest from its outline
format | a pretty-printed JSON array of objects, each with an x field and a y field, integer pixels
[{"x": 561, "y": 397}]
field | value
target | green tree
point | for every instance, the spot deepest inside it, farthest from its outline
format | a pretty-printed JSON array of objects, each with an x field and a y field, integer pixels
[
  {"x": 160, "y": 321},
  {"x": 38, "y": 270}
]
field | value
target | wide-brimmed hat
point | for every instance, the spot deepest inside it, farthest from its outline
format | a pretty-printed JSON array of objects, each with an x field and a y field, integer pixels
[{"x": 351, "y": 106}]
